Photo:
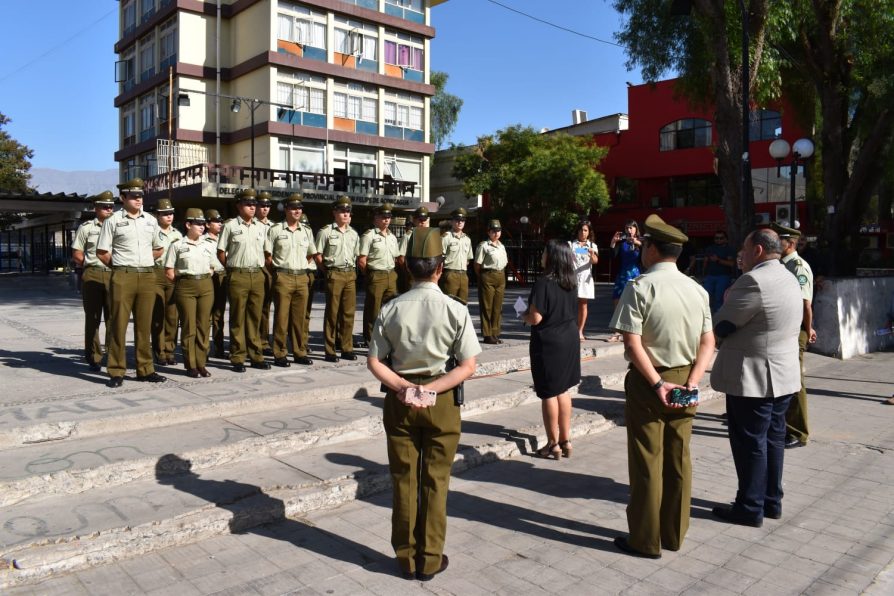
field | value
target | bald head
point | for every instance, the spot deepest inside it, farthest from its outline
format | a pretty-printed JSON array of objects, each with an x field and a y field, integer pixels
[{"x": 760, "y": 246}]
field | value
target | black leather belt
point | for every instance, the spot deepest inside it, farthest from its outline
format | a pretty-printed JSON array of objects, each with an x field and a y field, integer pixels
[
  {"x": 292, "y": 271},
  {"x": 188, "y": 276},
  {"x": 134, "y": 269}
]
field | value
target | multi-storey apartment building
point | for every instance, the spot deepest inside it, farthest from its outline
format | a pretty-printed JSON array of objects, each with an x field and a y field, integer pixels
[{"x": 322, "y": 96}]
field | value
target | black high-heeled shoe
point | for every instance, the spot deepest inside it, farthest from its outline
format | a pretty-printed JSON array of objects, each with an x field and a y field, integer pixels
[
  {"x": 566, "y": 448},
  {"x": 550, "y": 451}
]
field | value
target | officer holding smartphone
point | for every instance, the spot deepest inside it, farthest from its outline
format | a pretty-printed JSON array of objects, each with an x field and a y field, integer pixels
[{"x": 422, "y": 440}]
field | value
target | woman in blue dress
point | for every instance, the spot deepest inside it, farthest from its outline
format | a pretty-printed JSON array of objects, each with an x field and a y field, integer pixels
[{"x": 627, "y": 246}]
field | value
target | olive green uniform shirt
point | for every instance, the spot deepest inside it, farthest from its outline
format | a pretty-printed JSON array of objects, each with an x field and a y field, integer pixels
[
  {"x": 402, "y": 245},
  {"x": 85, "y": 241},
  {"x": 421, "y": 330},
  {"x": 243, "y": 242},
  {"x": 212, "y": 246},
  {"x": 339, "y": 249},
  {"x": 166, "y": 238},
  {"x": 669, "y": 310},
  {"x": 491, "y": 255},
  {"x": 802, "y": 272},
  {"x": 130, "y": 240},
  {"x": 379, "y": 248},
  {"x": 289, "y": 249},
  {"x": 191, "y": 257},
  {"x": 457, "y": 251}
]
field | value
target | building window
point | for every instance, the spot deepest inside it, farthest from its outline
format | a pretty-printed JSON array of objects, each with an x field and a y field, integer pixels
[
  {"x": 370, "y": 4},
  {"x": 412, "y": 10},
  {"x": 356, "y": 44},
  {"x": 403, "y": 115},
  {"x": 355, "y": 108},
  {"x": 303, "y": 156},
  {"x": 695, "y": 192},
  {"x": 147, "y": 117},
  {"x": 625, "y": 191},
  {"x": 167, "y": 45},
  {"x": 307, "y": 95},
  {"x": 686, "y": 134},
  {"x": 405, "y": 168},
  {"x": 765, "y": 125},
  {"x": 301, "y": 31},
  {"x": 404, "y": 56},
  {"x": 129, "y": 125},
  {"x": 127, "y": 73},
  {"x": 351, "y": 165},
  {"x": 147, "y": 57},
  {"x": 147, "y": 9},
  {"x": 129, "y": 20}
]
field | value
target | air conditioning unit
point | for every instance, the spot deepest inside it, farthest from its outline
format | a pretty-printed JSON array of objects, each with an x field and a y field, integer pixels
[
  {"x": 783, "y": 215},
  {"x": 761, "y": 219}
]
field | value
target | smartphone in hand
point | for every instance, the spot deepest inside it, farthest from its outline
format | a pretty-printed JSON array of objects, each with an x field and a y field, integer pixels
[{"x": 680, "y": 396}]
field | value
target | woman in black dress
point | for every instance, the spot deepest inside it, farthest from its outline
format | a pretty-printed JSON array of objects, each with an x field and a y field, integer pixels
[{"x": 555, "y": 347}]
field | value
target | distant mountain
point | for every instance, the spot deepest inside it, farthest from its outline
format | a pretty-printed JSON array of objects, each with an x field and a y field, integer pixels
[{"x": 81, "y": 182}]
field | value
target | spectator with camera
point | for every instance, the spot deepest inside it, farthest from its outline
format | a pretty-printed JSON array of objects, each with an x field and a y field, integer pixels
[{"x": 625, "y": 245}]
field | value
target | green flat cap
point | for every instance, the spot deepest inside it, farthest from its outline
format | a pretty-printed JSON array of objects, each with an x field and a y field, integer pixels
[
  {"x": 104, "y": 198},
  {"x": 384, "y": 209},
  {"x": 264, "y": 198},
  {"x": 494, "y": 224},
  {"x": 213, "y": 215},
  {"x": 421, "y": 212},
  {"x": 134, "y": 185},
  {"x": 295, "y": 200},
  {"x": 164, "y": 206},
  {"x": 303, "y": 219},
  {"x": 785, "y": 232},
  {"x": 342, "y": 202},
  {"x": 656, "y": 229},
  {"x": 460, "y": 213},
  {"x": 246, "y": 194},
  {"x": 193, "y": 214},
  {"x": 425, "y": 243}
]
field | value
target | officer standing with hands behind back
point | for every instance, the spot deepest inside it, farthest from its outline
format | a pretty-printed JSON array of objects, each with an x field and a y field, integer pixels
[
  {"x": 378, "y": 251},
  {"x": 422, "y": 441},
  {"x": 457, "y": 254}
]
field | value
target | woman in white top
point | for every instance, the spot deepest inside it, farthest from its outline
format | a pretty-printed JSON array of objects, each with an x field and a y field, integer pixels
[{"x": 586, "y": 254}]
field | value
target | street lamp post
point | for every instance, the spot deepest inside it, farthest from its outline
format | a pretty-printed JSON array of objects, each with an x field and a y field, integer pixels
[{"x": 800, "y": 151}]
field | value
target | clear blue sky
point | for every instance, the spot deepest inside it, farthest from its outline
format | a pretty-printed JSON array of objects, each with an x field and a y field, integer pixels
[{"x": 57, "y": 75}]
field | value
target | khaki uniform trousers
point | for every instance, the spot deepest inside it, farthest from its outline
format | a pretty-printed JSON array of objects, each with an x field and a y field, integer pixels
[
  {"x": 381, "y": 286},
  {"x": 341, "y": 302},
  {"x": 796, "y": 416},
  {"x": 311, "y": 280},
  {"x": 456, "y": 283},
  {"x": 290, "y": 299},
  {"x": 164, "y": 317},
  {"x": 246, "y": 293},
  {"x": 194, "y": 298},
  {"x": 491, "y": 288},
  {"x": 421, "y": 447},
  {"x": 658, "y": 463},
  {"x": 218, "y": 310},
  {"x": 264, "y": 329},
  {"x": 131, "y": 293},
  {"x": 96, "y": 296}
]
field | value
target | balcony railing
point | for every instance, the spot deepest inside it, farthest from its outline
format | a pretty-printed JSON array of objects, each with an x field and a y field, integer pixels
[{"x": 264, "y": 177}]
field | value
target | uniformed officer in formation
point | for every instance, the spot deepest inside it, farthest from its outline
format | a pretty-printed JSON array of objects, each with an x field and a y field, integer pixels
[
  {"x": 457, "y": 254},
  {"x": 420, "y": 219},
  {"x": 189, "y": 263},
  {"x": 129, "y": 244},
  {"x": 164, "y": 314},
  {"x": 665, "y": 318},
  {"x": 490, "y": 267},
  {"x": 262, "y": 214},
  {"x": 422, "y": 441},
  {"x": 289, "y": 250},
  {"x": 96, "y": 279},
  {"x": 338, "y": 247},
  {"x": 796, "y": 424},
  {"x": 213, "y": 226},
  {"x": 240, "y": 249},
  {"x": 378, "y": 251},
  {"x": 311, "y": 281}
]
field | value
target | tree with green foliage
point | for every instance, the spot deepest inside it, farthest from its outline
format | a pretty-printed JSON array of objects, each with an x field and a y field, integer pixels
[
  {"x": 831, "y": 59},
  {"x": 445, "y": 109},
  {"x": 551, "y": 178},
  {"x": 14, "y": 166}
]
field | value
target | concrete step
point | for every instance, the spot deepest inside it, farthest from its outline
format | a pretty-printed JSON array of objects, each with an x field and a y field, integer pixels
[
  {"x": 138, "y": 406},
  {"x": 113, "y": 502}
]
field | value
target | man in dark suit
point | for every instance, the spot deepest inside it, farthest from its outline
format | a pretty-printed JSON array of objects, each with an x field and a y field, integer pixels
[{"x": 757, "y": 367}]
